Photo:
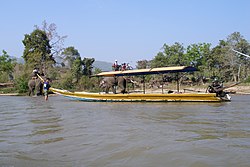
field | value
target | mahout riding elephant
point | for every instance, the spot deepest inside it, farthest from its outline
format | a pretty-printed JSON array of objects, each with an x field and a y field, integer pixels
[
  {"x": 35, "y": 84},
  {"x": 112, "y": 82}
]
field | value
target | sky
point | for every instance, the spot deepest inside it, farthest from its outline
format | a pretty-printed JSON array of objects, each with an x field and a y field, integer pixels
[{"x": 124, "y": 30}]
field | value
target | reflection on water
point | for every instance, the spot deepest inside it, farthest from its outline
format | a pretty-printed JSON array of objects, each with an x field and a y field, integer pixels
[{"x": 61, "y": 132}]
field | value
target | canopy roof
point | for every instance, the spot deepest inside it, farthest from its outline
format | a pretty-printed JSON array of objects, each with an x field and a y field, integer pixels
[{"x": 150, "y": 71}]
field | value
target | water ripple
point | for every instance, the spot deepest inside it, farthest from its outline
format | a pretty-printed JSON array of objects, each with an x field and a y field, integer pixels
[{"x": 61, "y": 132}]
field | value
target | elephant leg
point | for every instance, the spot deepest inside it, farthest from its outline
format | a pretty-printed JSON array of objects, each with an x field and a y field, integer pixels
[
  {"x": 113, "y": 89},
  {"x": 107, "y": 89},
  {"x": 123, "y": 87},
  {"x": 39, "y": 90},
  {"x": 31, "y": 91}
]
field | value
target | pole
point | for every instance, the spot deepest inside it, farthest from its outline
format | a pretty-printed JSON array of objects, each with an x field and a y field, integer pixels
[
  {"x": 241, "y": 53},
  {"x": 162, "y": 85},
  {"x": 177, "y": 81},
  {"x": 144, "y": 86}
]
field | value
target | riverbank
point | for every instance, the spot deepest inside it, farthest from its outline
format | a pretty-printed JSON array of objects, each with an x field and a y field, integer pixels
[
  {"x": 9, "y": 94},
  {"x": 238, "y": 89}
]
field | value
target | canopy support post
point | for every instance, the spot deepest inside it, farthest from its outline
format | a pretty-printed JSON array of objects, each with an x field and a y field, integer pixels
[
  {"x": 162, "y": 83},
  {"x": 99, "y": 89},
  {"x": 144, "y": 86},
  {"x": 178, "y": 84}
]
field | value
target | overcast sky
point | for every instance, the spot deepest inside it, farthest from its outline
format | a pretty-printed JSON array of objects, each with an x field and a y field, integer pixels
[{"x": 126, "y": 30}]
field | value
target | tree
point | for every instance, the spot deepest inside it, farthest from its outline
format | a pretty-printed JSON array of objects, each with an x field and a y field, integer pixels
[
  {"x": 70, "y": 54},
  {"x": 56, "y": 41},
  {"x": 170, "y": 56},
  {"x": 238, "y": 64},
  {"x": 76, "y": 69},
  {"x": 87, "y": 66},
  {"x": 37, "y": 51},
  {"x": 142, "y": 64},
  {"x": 198, "y": 55},
  {"x": 175, "y": 54},
  {"x": 6, "y": 66},
  {"x": 217, "y": 65},
  {"x": 159, "y": 60}
]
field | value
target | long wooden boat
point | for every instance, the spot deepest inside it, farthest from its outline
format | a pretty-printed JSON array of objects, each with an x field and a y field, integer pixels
[
  {"x": 144, "y": 97},
  {"x": 140, "y": 97}
]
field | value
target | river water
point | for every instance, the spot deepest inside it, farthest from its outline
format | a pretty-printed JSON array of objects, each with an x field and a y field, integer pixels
[{"x": 61, "y": 132}]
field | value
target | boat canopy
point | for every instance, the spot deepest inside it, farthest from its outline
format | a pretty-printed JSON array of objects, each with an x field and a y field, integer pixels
[{"x": 150, "y": 71}]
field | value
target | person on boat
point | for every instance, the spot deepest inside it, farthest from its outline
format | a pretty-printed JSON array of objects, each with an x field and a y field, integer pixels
[
  {"x": 115, "y": 66},
  {"x": 46, "y": 87},
  {"x": 129, "y": 67},
  {"x": 124, "y": 66},
  {"x": 216, "y": 87},
  {"x": 216, "y": 84}
]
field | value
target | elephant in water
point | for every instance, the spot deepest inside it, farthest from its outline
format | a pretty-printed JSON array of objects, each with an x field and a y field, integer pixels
[
  {"x": 35, "y": 85},
  {"x": 112, "y": 82}
]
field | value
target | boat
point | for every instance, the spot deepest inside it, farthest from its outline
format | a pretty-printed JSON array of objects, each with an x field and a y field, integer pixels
[{"x": 144, "y": 96}]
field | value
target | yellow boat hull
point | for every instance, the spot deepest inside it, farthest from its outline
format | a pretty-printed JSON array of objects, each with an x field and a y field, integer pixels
[{"x": 139, "y": 97}]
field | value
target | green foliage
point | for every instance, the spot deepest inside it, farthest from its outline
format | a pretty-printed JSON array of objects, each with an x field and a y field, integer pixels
[
  {"x": 171, "y": 56},
  {"x": 97, "y": 70},
  {"x": 6, "y": 66},
  {"x": 175, "y": 54},
  {"x": 53, "y": 73},
  {"x": 8, "y": 90},
  {"x": 159, "y": 60},
  {"x": 220, "y": 60},
  {"x": 4, "y": 77},
  {"x": 238, "y": 64},
  {"x": 197, "y": 54},
  {"x": 55, "y": 40},
  {"x": 87, "y": 66},
  {"x": 217, "y": 63},
  {"x": 142, "y": 64},
  {"x": 76, "y": 69},
  {"x": 21, "y": 83},
  {"x": 70, "y": 54},
  {"x": 247, "y": 80},
  {"x": 87, "y": 83},
  {"x": 37, "y": 51},
  {"x": 66, "y": 82}
]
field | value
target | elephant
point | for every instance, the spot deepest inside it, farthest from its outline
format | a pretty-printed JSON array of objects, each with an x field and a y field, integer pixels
[
  {"x": 112, "y": 82},
  {"x": 35, "y": 84}
]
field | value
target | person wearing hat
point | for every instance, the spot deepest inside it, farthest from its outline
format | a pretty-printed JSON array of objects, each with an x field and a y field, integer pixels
[{"x": 115, "y": 66}]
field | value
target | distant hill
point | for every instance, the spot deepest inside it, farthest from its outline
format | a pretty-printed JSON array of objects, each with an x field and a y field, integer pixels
[
  {"x": 104, "y": 66},
  {"x": 18, "y": 59}
]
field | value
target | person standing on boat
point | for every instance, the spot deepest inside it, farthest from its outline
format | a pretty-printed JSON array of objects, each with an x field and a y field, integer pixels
[{"x": 46, "y": 87}]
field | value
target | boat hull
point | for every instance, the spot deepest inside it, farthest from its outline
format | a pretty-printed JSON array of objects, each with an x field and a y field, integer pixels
[{"x": 139, "y": 97}]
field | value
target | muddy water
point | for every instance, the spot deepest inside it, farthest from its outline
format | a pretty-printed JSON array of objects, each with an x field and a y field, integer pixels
[{"x": 61, "y": 132}]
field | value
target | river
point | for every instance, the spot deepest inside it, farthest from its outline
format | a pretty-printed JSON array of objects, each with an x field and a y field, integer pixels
[{"x": 61, "y": 132}]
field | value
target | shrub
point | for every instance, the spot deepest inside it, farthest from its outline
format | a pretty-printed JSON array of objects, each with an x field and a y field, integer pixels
[{"x": 21, "y": 83}]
